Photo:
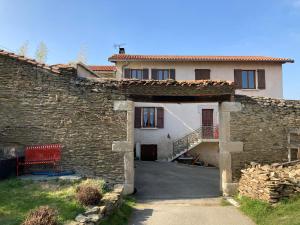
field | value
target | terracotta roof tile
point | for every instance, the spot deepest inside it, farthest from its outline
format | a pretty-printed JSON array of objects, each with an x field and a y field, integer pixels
[
  {"x": 197, "y": 83},
  {"x": 62, "y": 66},
  {"x": 28, "y": 60},
  {"x": 136, "y": 82},
  {"x": 177, "y": 58},
  {"x": 103, "y": 68}
]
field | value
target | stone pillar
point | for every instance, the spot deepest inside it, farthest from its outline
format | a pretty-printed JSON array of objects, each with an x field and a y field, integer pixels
[
  {"x": 226, "y": 146},
  {"x": 127, "y": 146}
]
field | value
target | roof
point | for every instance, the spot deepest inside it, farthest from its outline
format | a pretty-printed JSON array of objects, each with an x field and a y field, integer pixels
[
  {"x": 103, "y": 68},
  {"x": 62, "y": 66},
  {"x": 165, "y": 90},
  {"x": 170, "y": 82},
  {"x": 190, "y": 83},
  {"x": 28, "y": 60},
  {"x": 187, "y": 58}
]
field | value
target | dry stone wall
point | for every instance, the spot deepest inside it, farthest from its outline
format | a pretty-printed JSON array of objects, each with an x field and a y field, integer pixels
[
  {"x": 262, "y": 125},
  {"x": 38, "y": 106}
]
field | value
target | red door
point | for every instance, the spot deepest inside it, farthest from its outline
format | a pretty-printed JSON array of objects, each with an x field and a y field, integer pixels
[{"x": 207, "y": 123}]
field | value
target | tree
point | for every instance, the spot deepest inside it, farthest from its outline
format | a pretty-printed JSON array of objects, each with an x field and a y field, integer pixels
[
  {"x": 81, "y": 56},
  {"x": 41, "y": 53},
  {"x": 23, "y": 50}
]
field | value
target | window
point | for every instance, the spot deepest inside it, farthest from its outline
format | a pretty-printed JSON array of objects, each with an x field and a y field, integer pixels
[
  {"x": 248, "y": 79},
  {"x": 140, "y": 74},
  {"x": 202, "y": 74},
  {"x": 163, "y": 74},
  {"x": 136, "y": 74},
  {"x": 295, "y": 154},
  {"x": 149, "y": 117}
]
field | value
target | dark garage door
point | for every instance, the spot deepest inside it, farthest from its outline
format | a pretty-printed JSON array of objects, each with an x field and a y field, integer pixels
[{"x": 148, "y": 152}]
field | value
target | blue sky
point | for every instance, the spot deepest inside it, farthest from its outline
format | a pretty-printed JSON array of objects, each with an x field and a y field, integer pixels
[{"x": 193, "y": 27}]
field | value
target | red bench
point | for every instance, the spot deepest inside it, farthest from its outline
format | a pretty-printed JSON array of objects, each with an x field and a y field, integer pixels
[{"x": 41, "y": 154}]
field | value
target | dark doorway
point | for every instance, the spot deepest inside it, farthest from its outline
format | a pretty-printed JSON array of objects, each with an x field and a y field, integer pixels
[
  {"x": 148, "y": 152},
  {"x": 207, "y": 123},
  {"x": 295, "y": 154}
]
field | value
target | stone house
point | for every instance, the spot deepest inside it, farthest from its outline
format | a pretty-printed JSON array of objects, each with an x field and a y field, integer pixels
[{"x": 94, "y": 119}]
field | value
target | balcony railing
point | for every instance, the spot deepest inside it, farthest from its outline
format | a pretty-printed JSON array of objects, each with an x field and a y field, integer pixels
[{"x": 191, "y": 139}]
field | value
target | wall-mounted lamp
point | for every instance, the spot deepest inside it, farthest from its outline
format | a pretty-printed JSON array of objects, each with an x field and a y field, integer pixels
[{"x": 168, "y": 136}]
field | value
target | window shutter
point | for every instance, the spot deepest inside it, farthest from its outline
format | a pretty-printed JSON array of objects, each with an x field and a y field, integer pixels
[
  {"x": 145, "y": 74},
  {"x": 261, "y": 79},
  {"x": 238, "y": 78},
  {"x": 160, "y": 117},
  {"x": 202, "y": 74},
  {"x": 127, "y": 73},
  {"x": 172, "y": 74},
  {"x": 137, "y": 117},
  {"x": 154, "y": 74}
]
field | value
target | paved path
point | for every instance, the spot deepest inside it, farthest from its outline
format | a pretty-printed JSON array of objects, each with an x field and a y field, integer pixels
[
  {"x": 170, "y": 197},
  {"x": 163, "y": 180}
]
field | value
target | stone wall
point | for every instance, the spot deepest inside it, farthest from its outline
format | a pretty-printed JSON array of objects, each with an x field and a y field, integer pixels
[
  {"x": 39, "y": 106},
  {"x": 262, "y": 126}
]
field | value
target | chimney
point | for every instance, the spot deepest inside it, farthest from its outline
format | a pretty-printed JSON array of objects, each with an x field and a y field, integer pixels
[{"x": 121, "y": 50}]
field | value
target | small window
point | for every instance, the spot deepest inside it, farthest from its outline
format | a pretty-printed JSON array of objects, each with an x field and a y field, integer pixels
[
  {"x": 202, "y": 74},
  {"x": 140, "y": 74},
  {"x": 248, "y": 79},
  {"x": 148, "y": 117},
  {"x": 163, "y": 74},
  {"x": 295, "y": 154},
  {"x": 137, "y": 74}
]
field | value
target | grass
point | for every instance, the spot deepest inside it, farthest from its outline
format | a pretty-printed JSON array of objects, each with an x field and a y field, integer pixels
[
  {"x": 120, "y": 216},
  {"x": 18, "y": 197},
  {"x": 224, "y": 202},
  {"x": 286, "y": 212}
]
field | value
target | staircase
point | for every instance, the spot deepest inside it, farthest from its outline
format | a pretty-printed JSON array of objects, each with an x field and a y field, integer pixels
[{"x": 193, "y": 139}]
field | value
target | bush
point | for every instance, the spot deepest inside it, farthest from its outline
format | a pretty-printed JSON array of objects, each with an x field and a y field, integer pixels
[
  {"x": 88, "y": 195},
  {"x": 98, "y": 183},
  {"x": 43, "y": 215}
]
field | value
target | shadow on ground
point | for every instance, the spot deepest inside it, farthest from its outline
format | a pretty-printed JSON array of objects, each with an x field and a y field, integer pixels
[{"x": 169, "y": 181}]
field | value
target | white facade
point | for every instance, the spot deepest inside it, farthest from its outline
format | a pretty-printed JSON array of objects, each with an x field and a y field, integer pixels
[
  {"x": 182, "y": 119},
  {"x": 218, "y": 71},
  {"x": 179, "y": 120}
]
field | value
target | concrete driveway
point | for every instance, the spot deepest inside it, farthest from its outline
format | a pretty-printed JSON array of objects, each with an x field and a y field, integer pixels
[
  {"x": 176, "y": 194},
  {"x": 164, "y": 180}
]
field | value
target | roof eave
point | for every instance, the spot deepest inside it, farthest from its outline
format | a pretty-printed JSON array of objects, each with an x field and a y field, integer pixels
[
  {"x": 289, "y": 61},
  {"x": 225, "y": 61}
]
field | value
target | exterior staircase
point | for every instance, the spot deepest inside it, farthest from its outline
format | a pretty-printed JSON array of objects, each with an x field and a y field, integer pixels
[{"x": 193, "y": 139}]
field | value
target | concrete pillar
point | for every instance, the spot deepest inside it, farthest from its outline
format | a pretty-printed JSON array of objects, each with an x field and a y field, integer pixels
[
  {"x": 127, "y": 146},
  {"x": 226, "y": 146}
]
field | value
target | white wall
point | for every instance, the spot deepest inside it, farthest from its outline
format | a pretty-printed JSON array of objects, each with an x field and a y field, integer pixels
[
  {"x": 83, "y": 72},
  {"x": 207, "y": 152},
  {"x": 219, "y": 71},
  {"x": 179, "y": 120}
]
